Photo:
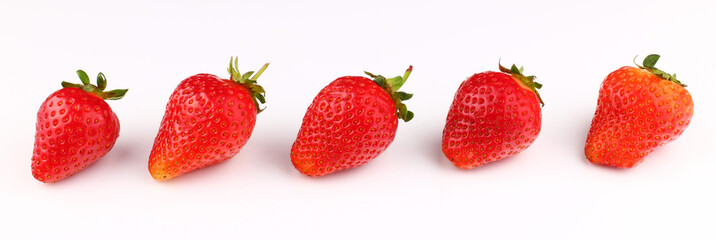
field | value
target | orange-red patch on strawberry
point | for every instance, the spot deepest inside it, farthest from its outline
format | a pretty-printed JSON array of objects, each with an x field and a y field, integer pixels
[{"x": 636, "y": 112}]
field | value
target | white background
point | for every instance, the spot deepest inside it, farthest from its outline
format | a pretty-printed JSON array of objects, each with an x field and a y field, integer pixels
[{"x": 548, "y": 191}]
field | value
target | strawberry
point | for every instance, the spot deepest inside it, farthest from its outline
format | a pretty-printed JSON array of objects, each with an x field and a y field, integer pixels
[
  {"x": 638, "y": 110},
  {"x": 75, "y": 127},
  {"x": 207, "y": 121},
  {"x": 494, "y": 115},
  {"x": 350, "y": 122}
]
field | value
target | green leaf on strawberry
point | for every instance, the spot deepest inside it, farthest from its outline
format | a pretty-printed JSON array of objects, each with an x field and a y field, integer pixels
[
  {"x": 97, "y": 90},
  {"x": 391, "y": 86}
]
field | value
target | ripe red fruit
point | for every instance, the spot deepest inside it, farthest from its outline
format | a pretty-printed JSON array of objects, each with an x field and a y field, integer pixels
[
  {"x": 494, "y": 115},
  {"x": 207, "y": 121},
  {"x": 350, "y": 122},
  {"x": 638, "y": 110},
  {"x": 75, "y": 127}
]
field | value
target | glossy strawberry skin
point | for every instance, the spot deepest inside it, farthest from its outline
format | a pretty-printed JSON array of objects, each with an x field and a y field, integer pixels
[
  {"x": 74, "y": 129},
  {"x": 492, "y": 117},
  {"x": 636, "y": 113},
  {"x": 350, "y": 122},
  {"x": 207, "y": 121}
]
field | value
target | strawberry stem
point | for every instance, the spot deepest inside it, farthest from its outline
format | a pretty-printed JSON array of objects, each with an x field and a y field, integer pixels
[
  {"x": 407, "y": 73},
  {"x": 263, "y": 68},
  {"x": 97, "y": 90},
  {"x": 258, "y": 94},
  {"x": 391, "y": 87}
]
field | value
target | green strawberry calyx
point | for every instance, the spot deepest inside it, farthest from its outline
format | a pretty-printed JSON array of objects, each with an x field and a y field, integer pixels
[
  {"x": 391, "y": 86},
  {"x": 258, "y": 95},
  {"x": 97, "y": 90},
  {"x": 650, "y": 61},
  {"x": 526, "y": 81}
]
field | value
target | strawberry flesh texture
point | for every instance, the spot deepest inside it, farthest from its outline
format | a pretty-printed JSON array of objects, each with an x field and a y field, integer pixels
[
  {"x": 636, "y": 113},
  {"x": 350, "y": 122},
  {"x": 492, "y": 117},
  {"x": 74, "y": 129},
  {"x": 207, "y": 121}
]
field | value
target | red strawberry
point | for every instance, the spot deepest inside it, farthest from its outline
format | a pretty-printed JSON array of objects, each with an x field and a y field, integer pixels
[
  {"x": 494, "y": 115},
  {"x": 350, "y": 122},
  {"x": 638, "y": 110},
  {"x": 207, "y": 121},
  {"x": 75, "y": 127}
]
